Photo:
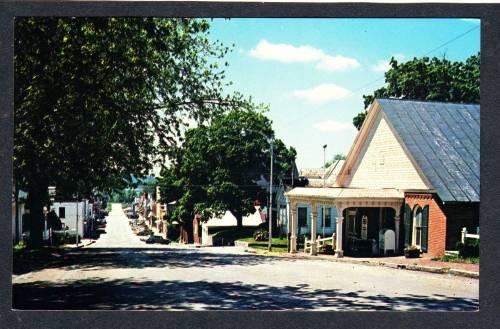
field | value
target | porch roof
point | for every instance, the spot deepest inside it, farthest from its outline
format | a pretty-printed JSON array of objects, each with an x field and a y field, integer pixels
[{"x": 340, "y": 193}]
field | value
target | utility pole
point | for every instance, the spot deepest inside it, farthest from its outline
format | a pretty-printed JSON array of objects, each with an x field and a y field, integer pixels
[
  {"x": 324, "y": 185},
  {"x": 77, "y": 221},
  {"x": 270, "y": 245}
]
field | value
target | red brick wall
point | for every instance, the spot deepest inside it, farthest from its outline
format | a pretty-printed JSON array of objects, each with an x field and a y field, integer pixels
[{"x": 436, "y": 242}]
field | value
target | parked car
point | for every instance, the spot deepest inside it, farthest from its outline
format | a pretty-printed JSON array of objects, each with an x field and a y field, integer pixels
[{"x": 156, "y": 239}]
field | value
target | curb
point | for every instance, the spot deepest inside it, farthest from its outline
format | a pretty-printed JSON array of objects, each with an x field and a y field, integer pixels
[{"x": 408, "y": 267}]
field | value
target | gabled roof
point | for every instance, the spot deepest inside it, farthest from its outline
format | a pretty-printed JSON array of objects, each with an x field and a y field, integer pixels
[{"x": 442, "y": 139}]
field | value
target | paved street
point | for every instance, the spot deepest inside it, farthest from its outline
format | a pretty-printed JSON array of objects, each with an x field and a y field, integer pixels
[{"x": 121, "y": 272}]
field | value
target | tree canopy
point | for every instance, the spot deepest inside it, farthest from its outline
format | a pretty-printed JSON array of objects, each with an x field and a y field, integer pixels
[
  {"x": 336, "y": 157},
  {"x": 97, "y": 99},
  {"x": 428, "y": 79},
  {"x": 218, "y": 166}
]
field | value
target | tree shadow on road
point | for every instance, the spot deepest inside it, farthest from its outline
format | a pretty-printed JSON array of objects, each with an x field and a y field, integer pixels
[
  {"x": 107, "y": 258},
  {"x": 128, "y": 294}
]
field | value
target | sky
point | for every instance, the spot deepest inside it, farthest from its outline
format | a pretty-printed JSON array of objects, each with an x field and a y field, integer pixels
[{"x": 313, "y": 72}]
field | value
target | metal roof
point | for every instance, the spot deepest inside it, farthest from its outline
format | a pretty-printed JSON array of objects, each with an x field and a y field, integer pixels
[{"x": 443, "y": 139}]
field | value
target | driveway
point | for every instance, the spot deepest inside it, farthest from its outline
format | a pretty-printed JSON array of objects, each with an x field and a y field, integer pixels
[{"x": 121, "y": 272}]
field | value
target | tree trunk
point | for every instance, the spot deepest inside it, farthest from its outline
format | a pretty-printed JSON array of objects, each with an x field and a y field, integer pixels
[
  {"x": 239, "y": 220},
  {"x": 36, "y": 223}
]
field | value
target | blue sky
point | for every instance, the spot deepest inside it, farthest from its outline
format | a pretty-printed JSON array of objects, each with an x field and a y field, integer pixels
[{"x": 313, "y": 72}]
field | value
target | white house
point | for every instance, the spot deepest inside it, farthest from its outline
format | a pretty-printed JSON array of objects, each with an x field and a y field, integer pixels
[
  {"x": 72, "y": 213},
  {"x": 228, "y": 220}
]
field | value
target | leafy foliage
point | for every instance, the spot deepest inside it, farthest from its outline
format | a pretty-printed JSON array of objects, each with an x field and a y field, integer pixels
[
  {"x": 336, "y": 157},
  {"x": 428, "y": 79},
  {"x": 97, "y": 99},
  {"x": 218, "y": 166}
]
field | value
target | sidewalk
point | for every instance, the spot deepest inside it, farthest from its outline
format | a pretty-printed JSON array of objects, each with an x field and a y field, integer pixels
[{"x": 398, "y": 262}]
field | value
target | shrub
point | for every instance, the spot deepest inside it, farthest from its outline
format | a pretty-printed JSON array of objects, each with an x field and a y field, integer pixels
[
  {"x": 260, "y": 235},
  {"x": 412, "y": 252},
  {"x": 20, "y": 245},
  {"x": 468, "y": 249},
  {"x": 173, "y": 232},
  {"x": 145, "y": 232},
  {"x": 64, "y": 237}
]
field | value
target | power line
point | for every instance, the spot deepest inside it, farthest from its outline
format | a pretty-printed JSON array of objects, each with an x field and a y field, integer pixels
[{"x": 425, "y": 54}]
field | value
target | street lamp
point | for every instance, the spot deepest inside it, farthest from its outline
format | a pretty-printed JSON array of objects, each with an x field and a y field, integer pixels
[
  {"x": 45, "y": 212},
  {"x": 324, "y": 177},
  {"x": 270, "y": 140},
  {"x": 76, "y": 196}
]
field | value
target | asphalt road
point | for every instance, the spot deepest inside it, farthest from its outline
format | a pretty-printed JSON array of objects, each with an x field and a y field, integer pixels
[{"x": 121, "y": 272}]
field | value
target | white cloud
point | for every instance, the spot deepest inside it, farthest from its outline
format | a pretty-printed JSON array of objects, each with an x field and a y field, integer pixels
[
  {"x": 381, "y": 66},
  {"x": 337, "y": 63},
  {"x": 322, "y": 94},
  {"x": 384, "y": 66},
  {"x": 333, "y": 126},
  {"x": 286, "y": 53}
]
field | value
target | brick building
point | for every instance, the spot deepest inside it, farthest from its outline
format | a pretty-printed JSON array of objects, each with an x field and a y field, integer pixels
[{"x": 412, "y": 170}]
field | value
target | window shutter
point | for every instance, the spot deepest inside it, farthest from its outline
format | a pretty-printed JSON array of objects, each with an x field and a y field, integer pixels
[
  {"x": 408, "y": 225},
  {"x": 319, "y": 220},
  {"x": 425, "y": 225},
  {"x": 334, "y": 219}
]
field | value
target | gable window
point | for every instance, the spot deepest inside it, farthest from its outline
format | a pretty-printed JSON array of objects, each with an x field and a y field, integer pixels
[
  {"x": 62, "y": 212},
  {"x": 302, "y": 216}
]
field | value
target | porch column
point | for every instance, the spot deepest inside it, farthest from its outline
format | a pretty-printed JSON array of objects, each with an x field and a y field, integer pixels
[
  {"x": 339, "y": 253},
  {"x": 314, "y": 223},
  {"x": 293, "y": 228},
  {"x": 396, "y": 226}
]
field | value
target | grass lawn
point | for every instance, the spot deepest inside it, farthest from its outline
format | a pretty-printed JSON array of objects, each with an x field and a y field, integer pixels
[
  {"x": 277, "y": 244},
  {"x": 457, "y": 259},
  {"x": 233, "y": 233}
]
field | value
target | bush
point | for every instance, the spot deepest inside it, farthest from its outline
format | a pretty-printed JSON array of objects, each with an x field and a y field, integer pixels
[
  {"x": 260, "y": 235},
  {"x": 20, "y": 245},
  {"x": 468, "y": 249},
  {"x": 145, "y": 232},
  {"x": 64, "y": 237},
  {"x": 173, "y": 232},
  {"x": 412, "y": 252}
]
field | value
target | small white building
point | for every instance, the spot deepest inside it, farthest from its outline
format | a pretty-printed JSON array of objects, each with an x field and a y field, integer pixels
[
  {"x": 70, "y": 213},
  {"x": 19, "y": 209},
  {"x": 228, "y": 220}
]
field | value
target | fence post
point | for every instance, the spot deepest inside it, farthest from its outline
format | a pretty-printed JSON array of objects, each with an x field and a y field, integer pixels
[{"x": 464, "y": 234}]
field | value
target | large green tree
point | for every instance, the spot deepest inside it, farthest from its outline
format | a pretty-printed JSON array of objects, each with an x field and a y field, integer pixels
[
  {"x": 428, "y": 79},
  {"x": 218, "y": 166},
  {"x": 97, "y": 99}
]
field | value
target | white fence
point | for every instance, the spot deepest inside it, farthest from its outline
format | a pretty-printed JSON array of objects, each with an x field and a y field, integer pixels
[{"x": 466, "y": 235}]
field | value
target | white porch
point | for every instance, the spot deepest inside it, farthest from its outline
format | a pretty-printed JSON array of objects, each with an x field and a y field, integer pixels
[{"x": 313, "y": 203}]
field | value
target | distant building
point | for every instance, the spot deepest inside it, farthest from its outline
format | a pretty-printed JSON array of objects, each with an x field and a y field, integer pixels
[{"x": 228, "y": 220}]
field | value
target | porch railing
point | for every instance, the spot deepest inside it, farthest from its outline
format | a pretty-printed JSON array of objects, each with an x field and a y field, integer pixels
[{"x": 320, "y": 243}]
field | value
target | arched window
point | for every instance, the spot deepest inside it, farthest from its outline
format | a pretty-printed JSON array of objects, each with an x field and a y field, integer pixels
[
  {"x": 417, "y": 227},
  {"x": 420, "y": 227}
]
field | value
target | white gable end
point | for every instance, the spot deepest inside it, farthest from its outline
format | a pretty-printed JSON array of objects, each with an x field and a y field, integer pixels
[{"x": 383, "y": 163}]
